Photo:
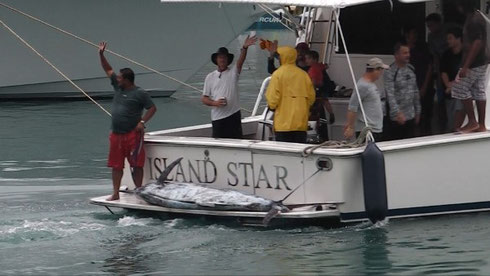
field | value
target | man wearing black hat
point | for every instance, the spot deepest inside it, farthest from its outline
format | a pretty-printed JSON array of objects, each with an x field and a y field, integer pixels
[{"x": 221, "y": 92}]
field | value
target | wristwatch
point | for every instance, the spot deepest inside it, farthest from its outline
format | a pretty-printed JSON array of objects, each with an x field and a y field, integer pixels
[{"x": 143, "y": 122}]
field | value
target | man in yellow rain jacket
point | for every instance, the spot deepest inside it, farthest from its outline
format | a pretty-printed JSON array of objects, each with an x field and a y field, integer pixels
[{"x": 290, "y": 94}]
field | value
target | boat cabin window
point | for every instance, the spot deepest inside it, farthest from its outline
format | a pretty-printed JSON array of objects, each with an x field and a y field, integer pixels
[{"x": 374, "y": 28}]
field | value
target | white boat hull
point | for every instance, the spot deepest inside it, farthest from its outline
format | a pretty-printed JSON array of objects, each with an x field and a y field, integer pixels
[{"x": 447, "y": 172}]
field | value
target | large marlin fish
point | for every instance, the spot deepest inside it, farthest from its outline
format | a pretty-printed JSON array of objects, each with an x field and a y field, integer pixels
[{"x": 192, "y": 196}]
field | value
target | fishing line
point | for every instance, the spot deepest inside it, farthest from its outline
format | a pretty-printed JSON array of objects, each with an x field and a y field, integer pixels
[
  {"x": 295, "y": 189},
  {"x": 53, "y": 66},
  {"x": 484, "y": 16},
  {"x": 106, "y": 50},
  {"x": 97, "y": 46}
]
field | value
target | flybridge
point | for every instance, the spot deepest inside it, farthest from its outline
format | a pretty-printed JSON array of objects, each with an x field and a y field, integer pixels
[{"x": 304, "y": 3}]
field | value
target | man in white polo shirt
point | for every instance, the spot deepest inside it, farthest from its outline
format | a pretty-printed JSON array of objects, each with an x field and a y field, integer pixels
[{"x": 221, "y": 92}]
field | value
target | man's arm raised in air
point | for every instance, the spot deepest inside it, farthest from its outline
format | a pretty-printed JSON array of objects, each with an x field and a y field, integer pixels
[
  {"x": 103, "y": 61},
  {"x": 249, "y": 41}
]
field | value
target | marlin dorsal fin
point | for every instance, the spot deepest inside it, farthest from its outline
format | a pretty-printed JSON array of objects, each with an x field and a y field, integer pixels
[{"x": 166, "y": 172}]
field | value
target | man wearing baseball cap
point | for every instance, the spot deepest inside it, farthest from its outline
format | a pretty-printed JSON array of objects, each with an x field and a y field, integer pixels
[{"x": 371, "y": 101}]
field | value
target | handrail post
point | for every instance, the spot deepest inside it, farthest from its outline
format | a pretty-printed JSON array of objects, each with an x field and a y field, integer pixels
[{"x": 263, "y": 87}]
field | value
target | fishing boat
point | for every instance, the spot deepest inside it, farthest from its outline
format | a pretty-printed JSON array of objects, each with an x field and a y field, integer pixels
[
  {"x": 146, "y": 29},
  {"x": 424, "y": 176}
]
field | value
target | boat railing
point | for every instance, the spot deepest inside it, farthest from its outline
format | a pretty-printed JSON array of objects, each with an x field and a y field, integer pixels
[{"x": 263, "y": 87}]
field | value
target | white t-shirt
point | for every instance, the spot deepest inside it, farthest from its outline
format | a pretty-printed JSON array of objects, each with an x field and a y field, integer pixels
[{"x": 223, "y": 84}]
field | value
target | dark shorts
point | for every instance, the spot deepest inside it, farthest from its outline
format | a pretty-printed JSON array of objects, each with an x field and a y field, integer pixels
[
  {"x": 128, "y": 145},
  {"x": 291, "y": 136},
  {"x": 229, "y": 127},
  {"x": 394, "y": 131},
  {"x": 318, "y": 114}
]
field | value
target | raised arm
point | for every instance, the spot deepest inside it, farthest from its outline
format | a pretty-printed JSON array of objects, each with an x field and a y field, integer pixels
[
  {"x": 249, "y": 41},
  {"x": 103, "y": 61}
]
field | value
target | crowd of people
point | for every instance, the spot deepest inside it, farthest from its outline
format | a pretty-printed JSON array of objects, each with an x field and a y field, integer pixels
[{"x": 450, "y": 67}]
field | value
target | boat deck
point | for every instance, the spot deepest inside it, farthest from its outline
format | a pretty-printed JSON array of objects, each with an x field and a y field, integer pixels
[{"x": 133, "y": 202}]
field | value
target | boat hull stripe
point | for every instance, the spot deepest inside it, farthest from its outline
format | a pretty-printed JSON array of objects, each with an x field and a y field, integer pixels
[{"x": 461, "y": 207}]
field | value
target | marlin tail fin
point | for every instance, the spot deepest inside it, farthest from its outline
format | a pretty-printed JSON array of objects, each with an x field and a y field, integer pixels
[{"x": 166, "y": 172}]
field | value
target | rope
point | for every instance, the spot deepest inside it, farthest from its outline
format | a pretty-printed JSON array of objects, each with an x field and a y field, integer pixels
[
  {"x": 365, "y": 134},
  {"x": 484, "y": 17},
  {"x": 359, "y": 142},
  {"x": 97, "y": 46},
  {"x": 297, "y": 187},
  {"x": 350, "y": 68},
  {"x": 107, "y": 50},
  {"x": 54, "y": 67}
]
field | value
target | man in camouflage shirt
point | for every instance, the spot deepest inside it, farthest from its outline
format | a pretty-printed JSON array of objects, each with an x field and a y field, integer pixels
[{"x": 402, "y": 95}]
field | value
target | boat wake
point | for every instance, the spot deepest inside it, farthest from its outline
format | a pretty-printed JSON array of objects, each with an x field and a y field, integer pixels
[
  {"x": 132, "y": 221},
  {"x": 369, "y": 225},
  {"x": 45, "y": 229},
  {"x": 18, "y": 169}
]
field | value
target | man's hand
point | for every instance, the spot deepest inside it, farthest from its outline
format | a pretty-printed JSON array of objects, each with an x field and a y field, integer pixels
[
  {"x": 463, "y": 72},
  {"x": 249, "y": 41},
  {"x": 102, "y": 46},
  {"x": 417, "y": 119},
  {"x": 273, "y": 48},
  {"x": 448, "y": 88},
  {"x": 140, "y": 127},
  {"x": 220, "y": 102},
  {"x": 348, "y": 132},
  {"x": 400, "y": 118},
  {"x": 103, "y": 61}
]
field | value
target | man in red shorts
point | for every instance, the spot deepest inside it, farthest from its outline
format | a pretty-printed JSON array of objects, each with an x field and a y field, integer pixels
[{"x": 128, "y": 124}]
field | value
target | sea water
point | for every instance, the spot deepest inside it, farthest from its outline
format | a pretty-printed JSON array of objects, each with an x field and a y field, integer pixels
[{"x": 53, "y": 159}]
